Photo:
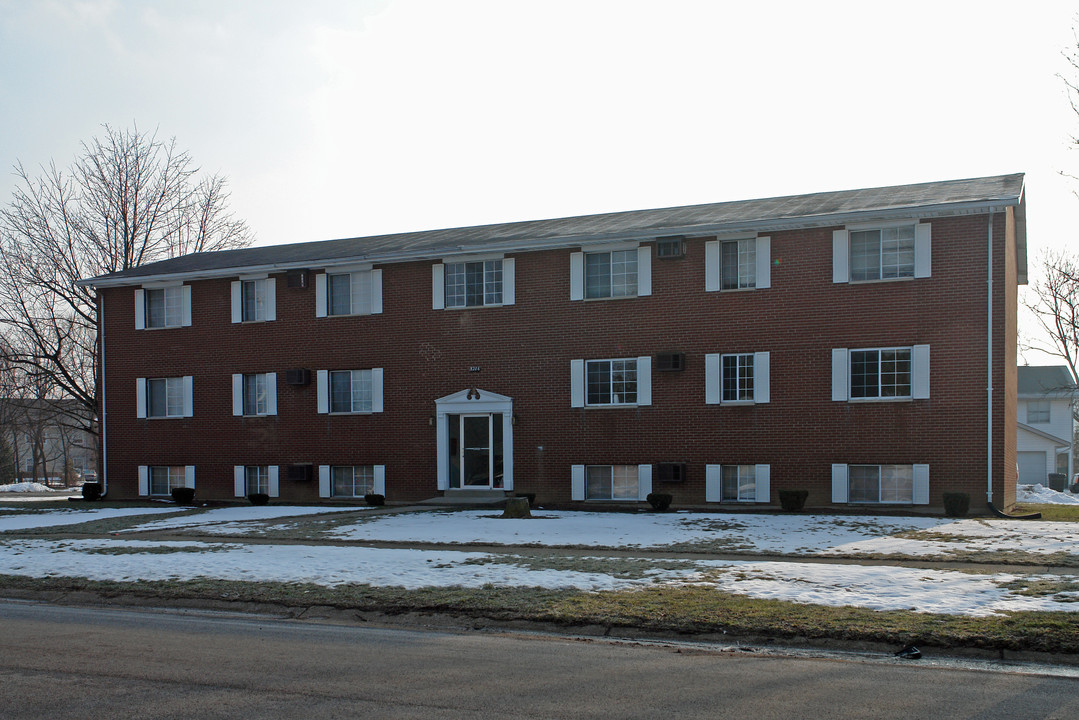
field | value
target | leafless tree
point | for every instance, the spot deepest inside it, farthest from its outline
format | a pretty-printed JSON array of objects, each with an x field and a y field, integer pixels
[
  {"x": 128, "y": 199},
  {"x": 1054, "y": 300}
]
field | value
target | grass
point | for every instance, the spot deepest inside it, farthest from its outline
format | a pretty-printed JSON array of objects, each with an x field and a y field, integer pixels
[
  {"x": 1052, "y": 513},
  {"x": 683, "y": 610}
]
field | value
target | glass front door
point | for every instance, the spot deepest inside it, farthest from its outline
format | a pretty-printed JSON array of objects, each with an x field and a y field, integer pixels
[{"x": 475, "y": 450}]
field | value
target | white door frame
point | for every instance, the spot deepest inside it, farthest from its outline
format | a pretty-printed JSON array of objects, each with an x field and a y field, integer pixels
[{"x": 473, "y": 401}]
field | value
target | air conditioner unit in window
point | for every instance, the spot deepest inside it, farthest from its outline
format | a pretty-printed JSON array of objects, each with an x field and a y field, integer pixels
[
  {"x": 671, "y": 472},
  {"x": 670, "y": 247},
  {"x": 671, "y": 361},
  {"x": 302, "y": 472},
  {"x": 298, "y": 376},
  {"x": 296, "y": 279}
]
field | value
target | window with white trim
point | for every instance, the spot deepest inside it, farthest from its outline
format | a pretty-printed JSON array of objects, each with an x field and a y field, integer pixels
[
  {"x": 348, "y": 293},
  {"x": 611, "y": 382},
  {"x": 880, "y": 484},
  {"x": 882, "y": 254},
  {"x": 739, "y": 483},
  {"x": 470, "y": 284},
  {"x": 165, "y": 397},
  {"x": 611, "y": 482},
  {"x": 1038, "y": 411},
  {"x": 880, "y": 373},
  {"x": 254, "y": 390},
  {"x": 253, "y": 300},
  {"x": 352, "y": 480},
  {"x": 738, "y": 264},
  {"x": 164, "y": 306},
  {"x": 257, "y": 478},
  {"x": 737, "y": 377},
  {"x": 164, "y": 478},
  {"x": 350, "y": 391},
  {"x": 610, "y": 274}
]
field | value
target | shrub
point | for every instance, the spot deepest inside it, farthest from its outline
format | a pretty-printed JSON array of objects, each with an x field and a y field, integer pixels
[
  {"x": 91, "y": 491},
  {"x": 374, "y": 499},
  {"x": 258, "y": 498},
  {"x": 183, "y": 495},
  {"x": 659, "y": 501},
  {"x": 956, "y": 504},
  {"x": 793, "y": 500},
  {"x": 531, "y": 498}
]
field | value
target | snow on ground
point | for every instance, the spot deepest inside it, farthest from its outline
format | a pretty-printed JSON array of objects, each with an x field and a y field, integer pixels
[
  {"x": 1038, "y": 494},
  {"x": 25, "y": 487},
  {"x": 884, "y": 588},
  {"x": 237, "y": 520},
  {"x": 51, "y": 518},
  {"x": 972, "y": 536}
]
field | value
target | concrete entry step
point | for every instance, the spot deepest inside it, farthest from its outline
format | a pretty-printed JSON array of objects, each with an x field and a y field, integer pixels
[{"x": 468, "y": 497}]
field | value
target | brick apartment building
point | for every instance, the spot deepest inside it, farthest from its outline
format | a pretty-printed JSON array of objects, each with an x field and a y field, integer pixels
[{"x": 858, "y": 344}]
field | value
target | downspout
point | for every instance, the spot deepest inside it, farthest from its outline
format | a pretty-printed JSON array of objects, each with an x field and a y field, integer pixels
[
  {"x": 104, "y": 454},
  {"x": 989, "y": 375}
]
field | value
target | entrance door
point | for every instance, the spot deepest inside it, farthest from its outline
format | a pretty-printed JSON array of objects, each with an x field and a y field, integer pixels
[{"x": 476, "y": 459}]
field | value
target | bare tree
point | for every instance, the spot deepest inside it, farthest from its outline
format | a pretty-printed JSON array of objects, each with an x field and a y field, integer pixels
[
  {"x": 128, "y": 199},
  {"x": 1054, "y": 300}
]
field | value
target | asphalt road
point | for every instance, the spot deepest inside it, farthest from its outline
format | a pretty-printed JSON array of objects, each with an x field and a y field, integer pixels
[{"x": 72, "y": 662}]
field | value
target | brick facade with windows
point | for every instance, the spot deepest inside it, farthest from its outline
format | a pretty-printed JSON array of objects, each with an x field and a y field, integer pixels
[{"x": 784, "y": 431}]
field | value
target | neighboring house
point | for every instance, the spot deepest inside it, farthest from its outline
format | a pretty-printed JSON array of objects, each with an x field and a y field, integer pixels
[
  {"x": 1046, "y": 423},
  {"x": 839, "y": 342},
  {"x": 46, "y": 441}
]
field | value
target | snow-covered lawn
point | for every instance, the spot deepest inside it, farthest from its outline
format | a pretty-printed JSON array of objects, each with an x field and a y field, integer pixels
[
  {"x": 1038, "y": 494},
  {"x": 57, "y": 518},
  {"x": 240, "y": 520}
]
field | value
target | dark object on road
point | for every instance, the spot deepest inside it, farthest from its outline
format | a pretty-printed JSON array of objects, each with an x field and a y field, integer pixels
[
  {"x": 909, "y": 653},
  {"x": 659, "y": 501},
  {"x": 1029, "y": 516},
  {"x": 374, "y": 499},
  {"x": 91, "y": 491},
  {"x": 258, "y": 498},
  {"x": 956, "y": 504},
  {"x": 793, "y": 500},
  {"x": 183, "y": 495},
  {"x": 517, "y": 508}
]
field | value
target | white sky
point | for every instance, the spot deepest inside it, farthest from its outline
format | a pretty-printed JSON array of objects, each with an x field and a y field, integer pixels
[{"x": 338, "y": 119}]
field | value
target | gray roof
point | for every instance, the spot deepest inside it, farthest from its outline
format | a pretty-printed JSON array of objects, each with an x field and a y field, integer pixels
[
  {"x": 795, "y": 211},
  {"x": 1045, "y": 380}
]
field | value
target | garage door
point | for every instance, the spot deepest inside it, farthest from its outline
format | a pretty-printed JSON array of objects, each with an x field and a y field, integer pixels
[{"x": 1032, "y": 468}]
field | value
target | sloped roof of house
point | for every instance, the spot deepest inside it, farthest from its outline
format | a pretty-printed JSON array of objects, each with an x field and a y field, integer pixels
[
  {"x": 1045, "y": 381},
  {"x": 933, "y": 199}
]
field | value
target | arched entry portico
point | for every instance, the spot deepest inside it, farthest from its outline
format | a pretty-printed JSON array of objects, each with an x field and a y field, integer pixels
[{"x": 475, "y": 440}]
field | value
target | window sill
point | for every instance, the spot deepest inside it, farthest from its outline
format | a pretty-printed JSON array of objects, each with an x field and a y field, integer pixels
[
  {"x": 736, "y": 290},
  {"x": 252, "y": 322},
  {"x": 613, "y": 406},
  {"x": 860, "y": 401},
  {"x": 882, "y": 280},
  {"x": 330, "y": 316},
  {"x": 737, "y": 403},
  {"x": 165, "y": 417},
  {"x": 346, "y": 414},
  {"x": 259, "y": 415},
  {"x": 475, "y": 307},
  {"x": 612, "y": 297},
  {"x": 165, "y": 327}
]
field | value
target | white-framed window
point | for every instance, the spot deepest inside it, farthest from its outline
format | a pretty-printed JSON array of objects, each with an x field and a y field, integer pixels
[
  {"x": 352, "y": 480},
  {"x": 254, "y": 394},
  {"x": 351, "y": 292},
  {"x": 164, "y": 397},
  {"x": 254, "y": 299},
  {"x": 1038, "y": 411},
  {"x": 167, "y": 306},
  {"x": 737, "y": 378},
  {"x": 738, "y": 264},
  {"x": 163, "y": 478},
  {"x": 736, "y": 373},
  {"x": 350, "y": 391},
  {"x": 903, "y": 484},
  {"x": 888, "y": 373},
  {"x": 611, "y": 482},
  {"x": 611, "y": 272},
  {"x": 888, "y": 251},
  {"x": 471, "y": 284},
  {"x": 737, "y": 483},
  {"x": 257, "y": 479},
  {"x": 611, "y": 382}
]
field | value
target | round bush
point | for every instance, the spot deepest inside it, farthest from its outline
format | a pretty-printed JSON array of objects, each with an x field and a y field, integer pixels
[
  {"x": 793, "y": 500},
  {"x": 91, "y": 491},
  {"x": 374, "y": 499},
  {"x": 258, "y": 498},
  {"x": 956, "y": 504},
  {"x": 183, "y": 495},
  {"x": 659, "y": 501}
]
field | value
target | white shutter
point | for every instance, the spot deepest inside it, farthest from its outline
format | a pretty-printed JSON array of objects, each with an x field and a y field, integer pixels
[
  {"x": 140, "y": 397},
  {"x": 644, "y": 270},
  {"x": 761, "y": 384},
  {"x": 237, "y": 394},
  {"x": 271, "y": 393},
  {"x": 189, "y": 476},
  {"x": 185, "y": 293},
  {"x": 644, "y": 481},
  {"x": 576, "y": 276},
  {"x": 323, "y": 481},
  {"x": 711, "y": 266},
  {"x": 840, "y": 378},
  {"x": 577, "y": 482},
  {"x": 920, "y": 372},
  {"x": 144, "y": 480},
  {"x": 839, "y": 483},
  {"x": 442, "y": 451},
  {"x": 376, "y": 292},
  {"x": 764, "y": 263},
  {"x": 376, "y": 390},
  {"x": 379, "y": 485},
  {"x": 644, "y": 380},
  {"x": 712, "y": 390},
  {"x": 763, "y": 479},
  {"x": 273, "y": 481},
  {"x": 576, "y": 383},
  {"x": 438, "y": 286},
  {"x": 189, "y": 395},
  {"x": 322, "y": 389},
  {"x": 921, "y": 484},
  {"x": 320, "y": 295},
  {"x": 237, "y": 301},
  {"x": 239, "y": 480},
  {"x": 271, "y": 298},
  {"x": 840, "y": 256},
  {"x": 140, "y": 311},
  {"x": 713, "y": 483},
  {"x": 509, "y": 285},
  {"x": 923, "y": 250}
]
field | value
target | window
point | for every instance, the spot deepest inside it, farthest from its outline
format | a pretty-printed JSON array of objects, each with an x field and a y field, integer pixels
[
  {"x": 611, "y": 382},
  {"x": 165, "y": 397},
  {"x": 1038, "y": 412},
  {"x": 352, "y": 480},
  {"x": 611, "y": 482},
  {"x": 355, "y": 292},
  {"x": 884, "y": 373},
  {"x": 254, "y": 394},
  {"x": 737, "y": 377},
  {"x": 739, "y": 483},
  {"x": 257, "y": 479},
  {"x": 882, "y": 254},
  {"x": 164, "y": 478},
  {"x": 881, "y": 483},
  {"x": 471, "y": 284},
  {"x": 610, "y": 274},
  {"x": 738, "y": 264},
  {"x": 164, "y": 307},
  {"x": 253, "y": 300},
  {"x": 350, "y": 391}
]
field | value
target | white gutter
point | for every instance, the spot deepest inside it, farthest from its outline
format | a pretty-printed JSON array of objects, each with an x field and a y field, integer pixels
[
  {"x": 989, "y": 375},
  {"x": 104, "y": 454}
]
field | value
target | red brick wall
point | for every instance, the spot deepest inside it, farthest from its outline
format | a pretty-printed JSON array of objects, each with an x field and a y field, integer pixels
[{"x": 524, "y": 351}]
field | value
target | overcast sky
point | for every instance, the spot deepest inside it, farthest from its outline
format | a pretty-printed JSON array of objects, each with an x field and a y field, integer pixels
[{"x": 340, "y": 119}]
